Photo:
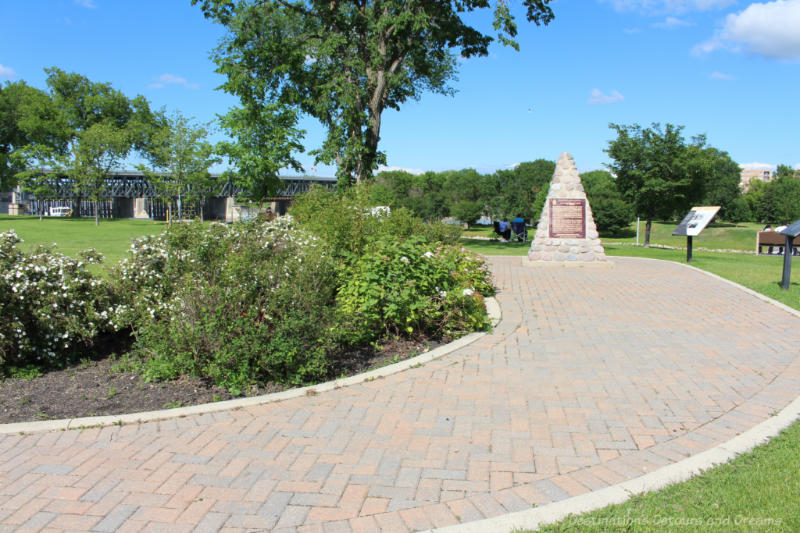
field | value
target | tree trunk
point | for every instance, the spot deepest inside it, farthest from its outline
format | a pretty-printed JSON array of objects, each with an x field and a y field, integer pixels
[
  {"x": 202, "y": 201},
  {"x": 647, "y": 228},
  {"x": 96, "y": 213}
]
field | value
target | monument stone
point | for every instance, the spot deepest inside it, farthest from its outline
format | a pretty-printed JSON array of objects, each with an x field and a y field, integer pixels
[{"x": 566, "y": 232}]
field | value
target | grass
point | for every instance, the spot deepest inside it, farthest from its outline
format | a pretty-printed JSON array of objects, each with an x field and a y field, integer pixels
[
  {"x": 111, "y": 238},
  {"x": 751, "y": 493},
  {"x": 717, "y": 236}
]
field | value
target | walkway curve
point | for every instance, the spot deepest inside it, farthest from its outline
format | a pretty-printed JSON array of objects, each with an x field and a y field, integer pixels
[{"x": 593, "y": 377}]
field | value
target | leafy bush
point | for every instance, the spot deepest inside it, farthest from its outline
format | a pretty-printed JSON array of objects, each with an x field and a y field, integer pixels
[
  {"x": 348, "y": 223},
  {"x": 235, "y": 304},
  {"x": 406, "y": 287},
  {"x": 51, "y": 306}
]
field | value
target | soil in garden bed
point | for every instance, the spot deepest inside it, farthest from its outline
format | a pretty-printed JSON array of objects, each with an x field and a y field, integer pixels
[{"x": 94, "y": 388}]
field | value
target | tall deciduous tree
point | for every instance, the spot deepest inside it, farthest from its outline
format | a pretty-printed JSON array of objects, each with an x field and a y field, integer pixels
[
  {"x": 180, "y": 157},
  {"x": 84, "y": 132},
  {"x": 264, "y": 140},
  {"x": 720, "y": 179},
  {"x": 18, "y": 101},
  {"x": 610, "y": 211},
  {"x": 345, "y": 62},
  {"x": 101, "y": 150},
  {"x": 654, "y": 170}
]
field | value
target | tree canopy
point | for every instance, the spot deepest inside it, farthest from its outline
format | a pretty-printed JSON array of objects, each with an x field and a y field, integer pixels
[
  {"x": 81, "y": 129},
  {"x": 654, "y": 170},
  {"x": 345, "y": 62}
]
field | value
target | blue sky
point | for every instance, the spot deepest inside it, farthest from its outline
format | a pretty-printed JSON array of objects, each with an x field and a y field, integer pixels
[{"x": 727, "y": 69}]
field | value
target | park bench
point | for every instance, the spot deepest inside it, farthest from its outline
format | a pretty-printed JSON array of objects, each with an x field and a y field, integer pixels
[{"x": 775, "y": 241}]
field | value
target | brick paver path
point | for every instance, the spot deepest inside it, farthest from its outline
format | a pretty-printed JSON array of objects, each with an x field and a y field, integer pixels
[{"x": 594, "y": 376}]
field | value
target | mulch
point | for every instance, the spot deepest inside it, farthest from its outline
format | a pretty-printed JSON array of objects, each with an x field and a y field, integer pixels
[{"x": 93, "y": 388}]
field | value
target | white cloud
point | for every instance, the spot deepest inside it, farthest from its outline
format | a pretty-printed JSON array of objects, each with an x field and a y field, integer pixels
[
  {"x": 599, "y": 97},
  {"x": 758, "y": 166},
  {"x": 416, "y": 171},
  {"x": 632, "y": 31},
  {"x": 670, "y": 23},
  {"x": 721, "y": 76},
  {"x": 668, "y": 6},
  {"x": 171, "y": 79},
  {"x": 86, "y": 3},
  {"x": 7, "y": 72},
  {"x": 768, "y": 29}
]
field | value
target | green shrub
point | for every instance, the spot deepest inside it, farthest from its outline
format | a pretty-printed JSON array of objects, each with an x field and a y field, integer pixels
[
  {"x": 348, "y": 222},
  {"x": 52, "y": 307},
  {"x": 407, "y": 287},
  {"x": 235, "y": 304}
]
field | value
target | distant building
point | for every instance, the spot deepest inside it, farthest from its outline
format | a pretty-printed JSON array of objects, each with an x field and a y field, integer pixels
[{"x": 763, "y": 174}]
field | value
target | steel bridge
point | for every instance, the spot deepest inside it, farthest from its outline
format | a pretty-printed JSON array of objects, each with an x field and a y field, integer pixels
[
  {"x": 134, "y": 184},
  {"x": 123, "y": 188}
]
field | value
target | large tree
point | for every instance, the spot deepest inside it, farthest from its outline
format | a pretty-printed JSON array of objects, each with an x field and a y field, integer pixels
[
  {"x": 655, "y": 171},
  {"x": 345, "y": 62},
  {"x": 611, "y": 213},
  {"x": 17, "y": 100},
  {"x": 720, "y": 179},
  {"x": 180, "y": 157},
  {"x": 84, "y": 132}
]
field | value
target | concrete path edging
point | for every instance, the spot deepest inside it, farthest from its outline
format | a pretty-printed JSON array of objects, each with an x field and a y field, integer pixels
[
  {"x": 492, "y": 308},
  {"x": 663, "y": 477}
]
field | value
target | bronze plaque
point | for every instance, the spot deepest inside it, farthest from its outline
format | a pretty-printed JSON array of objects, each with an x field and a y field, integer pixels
[{"x": 568, "y": 218}]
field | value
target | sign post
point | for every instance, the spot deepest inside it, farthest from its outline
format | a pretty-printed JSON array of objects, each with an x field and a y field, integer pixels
[
  {"x": 693, "y": 223},
  {"x": 791, "y": 231}
]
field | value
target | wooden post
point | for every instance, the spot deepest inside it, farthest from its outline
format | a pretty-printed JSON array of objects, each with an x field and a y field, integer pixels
[{"x": 688, "y": 248}]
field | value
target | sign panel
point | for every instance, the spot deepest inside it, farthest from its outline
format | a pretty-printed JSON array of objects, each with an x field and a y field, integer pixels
[
  {"x": 696, "y": 221},
  {"x": 568, "y": 218}
]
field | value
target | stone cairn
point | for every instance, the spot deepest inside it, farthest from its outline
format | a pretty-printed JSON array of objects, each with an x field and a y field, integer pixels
[{"x": 566, "y": 231}]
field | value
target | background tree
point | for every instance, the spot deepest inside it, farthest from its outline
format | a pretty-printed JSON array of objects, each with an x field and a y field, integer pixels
[
  {"x": 18, "y": 102},
  {"x": 180, "y": 157},
  {"x": 85, "y": 131},
  {"x": 754, "y": 198},
  {"x": 345, "y": 62},
  {"x": 654, "y": 171},
  {"x": 101, "y": 150},
  {"x": 780, "y": 203},
  {"x": 720, "y": 176},
  {"x": 264, "y": 140},
  {"x": 467, "y": 211},
  {"x": 611, "y": 213}
]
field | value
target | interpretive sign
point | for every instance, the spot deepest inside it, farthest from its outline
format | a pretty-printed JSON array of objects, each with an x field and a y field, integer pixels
[
  {"x": 695, "y": 221},
  {"x": 567, "y": 218}
]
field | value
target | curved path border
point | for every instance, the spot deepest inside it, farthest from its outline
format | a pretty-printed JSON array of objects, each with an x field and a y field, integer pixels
[
  {"x": 592, "y": 379},
  {"x": 492, "y": 308}
]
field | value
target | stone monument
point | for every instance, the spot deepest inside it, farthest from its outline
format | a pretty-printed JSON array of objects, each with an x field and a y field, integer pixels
[{"x": 566, "y": 233}]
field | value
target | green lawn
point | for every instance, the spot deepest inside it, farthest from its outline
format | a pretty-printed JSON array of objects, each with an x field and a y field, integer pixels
[
  {"x": 757, "y": 491},
  {"x": 112, "y": 237},
  {"x": 718, "y": 236}
]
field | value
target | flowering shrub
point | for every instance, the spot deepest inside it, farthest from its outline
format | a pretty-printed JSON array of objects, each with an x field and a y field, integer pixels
[
  {"x": 52, "y": 308},
  {"x": 235, "y": 304},
  {"x": 405, "y": 286}
]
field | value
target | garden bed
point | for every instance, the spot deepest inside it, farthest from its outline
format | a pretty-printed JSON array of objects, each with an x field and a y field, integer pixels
[{"x": 93, "y": 388}]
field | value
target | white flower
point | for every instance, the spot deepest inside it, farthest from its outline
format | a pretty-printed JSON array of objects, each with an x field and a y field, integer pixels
[
  {"x": 404, "y": 259},
  {"x": 427, "y": 255},
  {"x": 468, "y": 292}
]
